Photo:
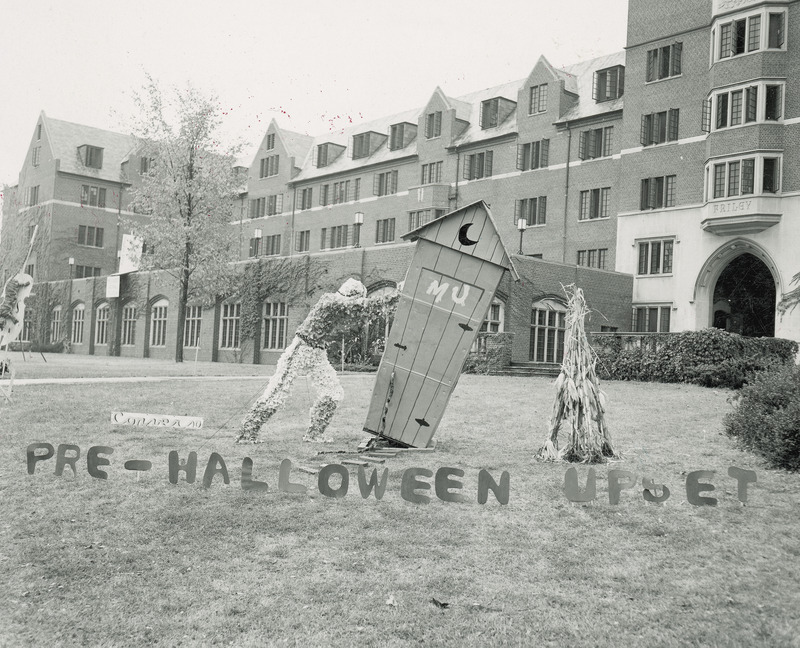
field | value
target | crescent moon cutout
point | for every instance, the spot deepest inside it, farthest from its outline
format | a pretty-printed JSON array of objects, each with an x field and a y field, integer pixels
[{"x": 462, "y": 235}]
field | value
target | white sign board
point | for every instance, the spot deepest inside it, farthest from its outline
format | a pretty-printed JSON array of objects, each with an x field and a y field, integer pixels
[
  {"x": 130, "y": 254},
  {"x": 112, "y": 286},
  {"x": 156, "y": 420}
]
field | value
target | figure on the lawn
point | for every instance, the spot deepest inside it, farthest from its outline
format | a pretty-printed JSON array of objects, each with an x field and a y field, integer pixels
[{"x": 332, "y": 315}]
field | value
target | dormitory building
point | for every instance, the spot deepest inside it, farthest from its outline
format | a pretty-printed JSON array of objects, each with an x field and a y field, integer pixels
[{"x": 661, "y": 179}]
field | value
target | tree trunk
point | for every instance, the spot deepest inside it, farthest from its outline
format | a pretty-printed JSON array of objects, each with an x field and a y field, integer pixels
[{"x": 183, "y": 297}]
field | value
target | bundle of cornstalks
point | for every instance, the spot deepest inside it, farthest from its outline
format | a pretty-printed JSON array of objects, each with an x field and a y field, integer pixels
[{"x": 579, "y": 405}]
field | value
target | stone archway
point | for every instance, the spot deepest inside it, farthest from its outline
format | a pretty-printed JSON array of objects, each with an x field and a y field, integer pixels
[
  {"x": 737, "y": 289},
  {"x": 744, "y": 298}
]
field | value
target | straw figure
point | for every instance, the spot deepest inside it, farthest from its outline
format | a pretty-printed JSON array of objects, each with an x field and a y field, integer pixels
[
  {"x": 579, "y": 406},
  {"x": 306, "y": 356}
]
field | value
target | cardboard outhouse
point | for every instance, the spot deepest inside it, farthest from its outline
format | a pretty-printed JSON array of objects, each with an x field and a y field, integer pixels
[{"x": 454, "y": 273}]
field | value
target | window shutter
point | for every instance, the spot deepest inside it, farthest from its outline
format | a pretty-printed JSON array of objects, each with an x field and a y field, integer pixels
[
  {"x": 315, "y": 155},
  {"x": 705, "y": 117},
  {"x": 345, "y": 236},
  {"x": 672, "y": 128},
  {"x": 437, "y": 120},
  {"x": 582, "y": 145},
  {"x": 644, "y": 132},
  {"x": 467, "y": 170},
  {"x": 322, "y": 238},
  {"x": 376, "y": 184},
  {"x": 542, "y": 210},
  {"x": 606, "y": 148},
  {"x": 487, "y": 169},
  {"x": 652, "y": 199},
  {"x": 595, "y": 85},
  {"x": 620, "y": 81},
  {"x": 677, "y": 51},
  {"x": 98, "y": 237},
  {"x": 643, "y": 254},
  {"x": 611, "y": 84},
  {"x": 480, "y": 115},
  {"x": 298, "y": 241},
  {"x": 279, "y": 204},
  {"x": 394, "y": 182},
  {"x": 652, "y": 57},
  {"x": 545, "y": 153},
  {"x": 517, "y": 210},
  {"x": 520, "y": 154},
  {"x": 644, "y": 194}
]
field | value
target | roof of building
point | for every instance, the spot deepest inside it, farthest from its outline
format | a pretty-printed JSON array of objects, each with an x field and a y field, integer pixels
[
  {"x": 65, "y": 138},
  {"x": 583, "y": 75}
]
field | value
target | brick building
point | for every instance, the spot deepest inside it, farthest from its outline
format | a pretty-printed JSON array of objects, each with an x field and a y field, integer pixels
[{"x": 682, "y": 202}]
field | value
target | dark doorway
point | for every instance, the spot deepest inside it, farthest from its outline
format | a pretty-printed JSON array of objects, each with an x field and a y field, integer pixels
[{"x": 747, "y": 287}]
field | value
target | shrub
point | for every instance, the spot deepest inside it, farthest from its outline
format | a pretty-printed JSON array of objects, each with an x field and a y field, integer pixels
[
  {"x": 709, "y": 357},
  {"x": 767, "y": 417}
]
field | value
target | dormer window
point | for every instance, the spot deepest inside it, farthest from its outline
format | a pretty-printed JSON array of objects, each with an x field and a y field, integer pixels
[
  {"x": 361, "y": 146},
  {"x": 495, "y": 111},
  {"x": 326, "y": 153},
  {"x": 609, "y": 84},
  {"x": 433, "y": 124},
  {"x": 92, "y": 156},
  {"x": 401, "y": 135}
]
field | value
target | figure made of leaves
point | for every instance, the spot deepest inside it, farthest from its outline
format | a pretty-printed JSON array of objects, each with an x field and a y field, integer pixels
[{"x": 334, "y": 314}]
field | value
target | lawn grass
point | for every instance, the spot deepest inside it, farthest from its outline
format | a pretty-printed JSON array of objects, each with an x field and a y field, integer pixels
[{"x": 135, "y": 560}]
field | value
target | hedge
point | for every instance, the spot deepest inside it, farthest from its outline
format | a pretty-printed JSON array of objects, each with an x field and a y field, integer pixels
[
  {"x": 767, "y": 417},
  {"x": 710, "y": 357}
]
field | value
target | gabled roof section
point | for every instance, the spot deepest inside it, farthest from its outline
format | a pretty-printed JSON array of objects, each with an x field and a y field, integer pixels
[
  {"x": 65, "y": 138},
  {"x": 344, "y": 138},
  {"x": 470, "y": 230},
  {"x": 584, "y": 74},
  {"x": 570, "y": 80},
  {"x": 474, "y": 132},
  {"x": 297, "y": 145}
]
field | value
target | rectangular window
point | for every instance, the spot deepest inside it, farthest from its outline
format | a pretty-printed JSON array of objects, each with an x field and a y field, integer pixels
[
  {"x": 324, "y": 194},
  {"x": 776, "y": 30},
  {"x": 478, "y": 165},
  {"x": 423, "y": 217},
  {"x": 81, "y": 271},
  {"x": 272, "y": 245},
  {"x": 534, "y": 155},
  {"x": 341, "y": 192},
  {"x": 258, "y": 207},
  {"x": 269, "y": 166},
  {"x": 664, "y": 62},
  {"x": 91, "y": 236},
  {"x": 754, "y": 34},
  {"x": 305, "y": 198},
  {"x": 396, "y": 137},
  {"x": 733, "y": 178},
  {"x": 357, "y": 189},
  {"x": 433, "y": 124},
  {"x": 274, "y": 204},
  {"x": 594, "y": 203},
  {"x": 33, "y": 196},
  {"x": 655, "y": 257},
  {"x": 229, "y": 329},
  {"x": 191, "y": 327},
  {"x": 274, "y": 325},
  {"x": 55, "y": 325},
  {"x": 101, "y": 325},
  {"x": 532, "y": 210},
  {"x": 773, "y": 106},
  {"x": 270, "y": 141},
  {"x": 385, "y": 183},
  {"x": 128, "y": 325},
  {"x": 361, "y": 146},
  {"x": 490, "y": 113},
  {"x": 255, "y": 247},
  {"x": 722, "y": 110},
  {"x": 322, "y": 155},
  {"x": 302, "y": 241},
  {"x": 338, "y": 237},
  {"x": 144, "y": 165},
  {"x": 657, "y": 128},
  {"x": 77, "y": 324},
  {"x": 651, "y": 319},
  {"x": 431, "y": 173},
  {"x": 736, "y": 108},
  {"x": 751, "y": 112},
  {"x": 158, "y": 326},
  {"x": 770, "y": 183},
  {"x": 748, "y": 176},
  {"x": 35, "y": 153},
  {"x": 609, "y": 83},
  {"x": 384, "y": 232},
  {"x": 538, "y": 99},
  {"x": 657, "y": 193},
  {"x": 93, "y": 157},
  {"x": 595, "y": 143}
]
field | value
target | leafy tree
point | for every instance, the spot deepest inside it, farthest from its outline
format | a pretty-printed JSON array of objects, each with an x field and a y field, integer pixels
[{"x": 187, "y": 194}]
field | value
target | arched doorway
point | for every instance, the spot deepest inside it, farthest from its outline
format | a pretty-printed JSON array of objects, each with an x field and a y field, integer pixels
[
  {"x": 744, "y": 298},
  {"x": 548, "y": 325}
]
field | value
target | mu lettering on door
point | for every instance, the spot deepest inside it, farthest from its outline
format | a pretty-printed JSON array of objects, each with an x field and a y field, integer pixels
[{"x": 455, "y": 271}]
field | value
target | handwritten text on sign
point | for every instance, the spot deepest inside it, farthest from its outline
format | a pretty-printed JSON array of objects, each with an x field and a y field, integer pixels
[{"x": 156, "y": 420}]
